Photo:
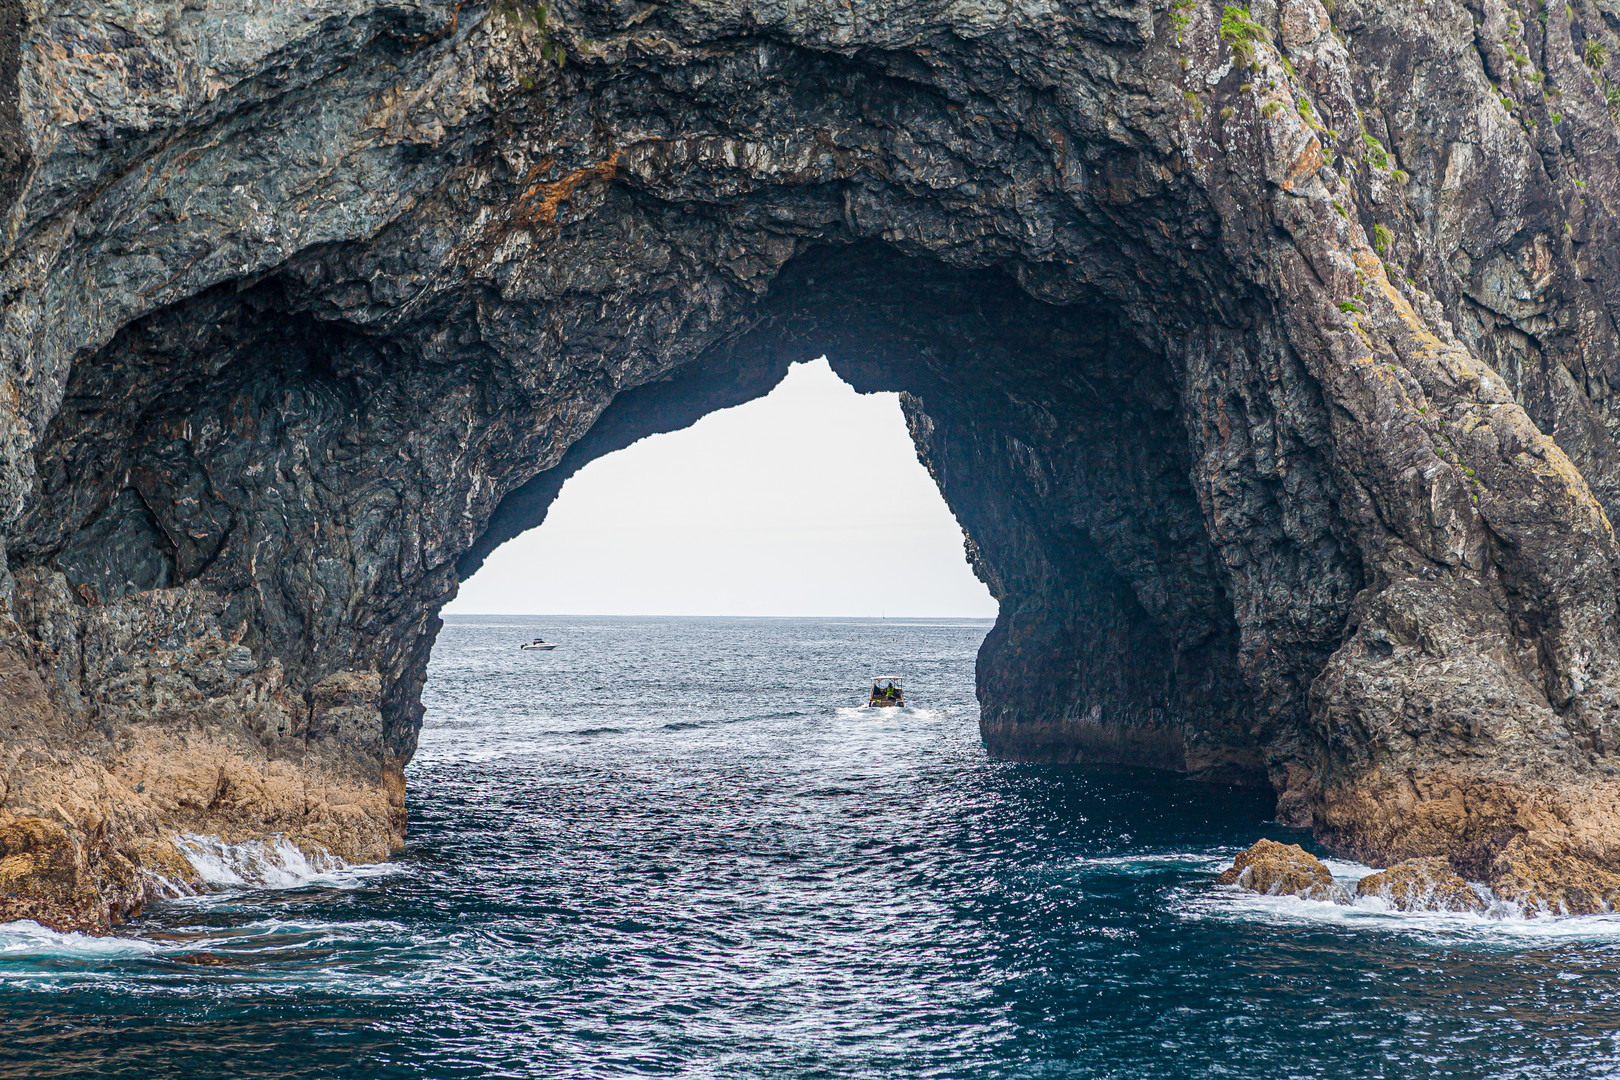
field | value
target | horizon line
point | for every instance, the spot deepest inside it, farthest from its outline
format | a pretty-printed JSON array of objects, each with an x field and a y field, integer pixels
[{"x": 682, "y": 615}]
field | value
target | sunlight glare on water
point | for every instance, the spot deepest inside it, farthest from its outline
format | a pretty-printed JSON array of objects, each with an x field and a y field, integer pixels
[{"x": 679, "y": 847}]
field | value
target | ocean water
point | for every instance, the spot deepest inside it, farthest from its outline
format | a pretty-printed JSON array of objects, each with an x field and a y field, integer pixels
[{"x": 676, "y": 847}]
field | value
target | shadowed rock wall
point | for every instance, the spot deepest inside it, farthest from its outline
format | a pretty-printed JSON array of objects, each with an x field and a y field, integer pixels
[{"x": 1264, "y": 355}]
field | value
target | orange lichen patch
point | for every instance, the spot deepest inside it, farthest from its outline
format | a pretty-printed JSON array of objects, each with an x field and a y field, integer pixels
[
  {"x": 1304, "y": 166},
  {"x": 539, "y": 203},
  {"x": 447, "y": 30}
]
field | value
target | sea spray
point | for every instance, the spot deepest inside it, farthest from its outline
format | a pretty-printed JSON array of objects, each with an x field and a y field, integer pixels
[{"x": 272, "y": 863}]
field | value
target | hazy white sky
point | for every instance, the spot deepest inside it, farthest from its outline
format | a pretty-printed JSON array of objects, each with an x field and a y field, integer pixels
[{"x": 758, "y": 510}]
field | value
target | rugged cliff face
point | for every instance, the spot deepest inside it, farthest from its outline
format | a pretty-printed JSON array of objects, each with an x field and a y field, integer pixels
[{"x": 1266, "y": 356}]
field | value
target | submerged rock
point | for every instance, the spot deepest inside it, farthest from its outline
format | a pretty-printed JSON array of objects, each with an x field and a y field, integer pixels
[
  {"x": 1283, "y": 870},
  {"x": 1428, "y": 884}
]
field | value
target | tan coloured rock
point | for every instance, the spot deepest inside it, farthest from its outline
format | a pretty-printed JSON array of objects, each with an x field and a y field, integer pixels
[
  {"x": 1552, "y": 848},
  {"x": 1546, "y": 880},
  {"x": 1283, "y": 870},
  {"x": 1422, "y": 885},
  {"x": 90, "y": 814},
  {"x": 46, "y": 876}
]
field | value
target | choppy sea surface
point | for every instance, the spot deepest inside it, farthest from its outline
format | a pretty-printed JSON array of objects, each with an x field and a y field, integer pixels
[{"x": 677, "y": 847}]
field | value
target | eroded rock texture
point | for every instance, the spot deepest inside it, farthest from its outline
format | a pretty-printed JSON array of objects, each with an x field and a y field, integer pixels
[
  {"x": 1266, "y": 356},
  {"x": 1428, "y": 884},
  {"x": 1273, "y": 869}
]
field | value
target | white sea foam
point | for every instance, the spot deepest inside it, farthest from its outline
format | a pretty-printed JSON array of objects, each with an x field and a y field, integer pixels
[
  {"x": 1344, "y": 870},
  {"x": 886, "y": 712},
  {"x": 273, "y": 864},
  {"x": 1502, "y": 923},
  {"x": 21, "y": 940},
  {"x": 1158, "y": 860}
]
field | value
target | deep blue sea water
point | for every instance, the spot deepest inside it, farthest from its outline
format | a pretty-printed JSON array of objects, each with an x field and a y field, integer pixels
[{"x": 673, "y": 847}]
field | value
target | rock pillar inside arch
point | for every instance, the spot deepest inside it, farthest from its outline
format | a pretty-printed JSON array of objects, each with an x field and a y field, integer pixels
[{"x": 1115, "y": 643}]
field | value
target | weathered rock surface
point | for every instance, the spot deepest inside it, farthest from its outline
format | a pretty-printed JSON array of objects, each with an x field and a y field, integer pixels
[
  {"x": 1422, "y": 885},
  {"x": 1555, "y": 879},
  {"x": 1267, "y": 357},
  {"x": 1274, "y": 869}
]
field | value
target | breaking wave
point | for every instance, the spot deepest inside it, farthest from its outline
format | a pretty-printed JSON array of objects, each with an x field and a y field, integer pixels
[
  {"x": 27, "y": 940},
  {"x": 273, "y": 864},
  {"x": 1501, "y": 923}
]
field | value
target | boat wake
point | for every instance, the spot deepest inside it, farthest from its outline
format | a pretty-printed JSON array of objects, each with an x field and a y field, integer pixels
[{"x": 894, "y": 712}]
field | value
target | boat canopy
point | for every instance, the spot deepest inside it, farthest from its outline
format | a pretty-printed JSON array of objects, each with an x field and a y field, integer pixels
[{"x": 892, "y": 680}]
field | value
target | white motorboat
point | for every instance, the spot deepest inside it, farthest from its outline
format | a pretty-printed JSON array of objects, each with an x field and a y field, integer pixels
[{"x": 539, "y": 643}]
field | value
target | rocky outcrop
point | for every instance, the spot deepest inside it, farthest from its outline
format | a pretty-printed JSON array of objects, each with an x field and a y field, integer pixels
[
  {"x": 95, "y": 800},
  {"x": 1274, "y": 869},
  {"x": 1555, "y": 878},
  {"x": 1422, "y": 885},
  {"x": 1267, "y": 356}
]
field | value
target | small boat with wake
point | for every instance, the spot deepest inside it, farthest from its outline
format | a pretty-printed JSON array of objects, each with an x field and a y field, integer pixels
[
  {"x": 539, "y": 644},
  {"x": 886, "y": 693}
]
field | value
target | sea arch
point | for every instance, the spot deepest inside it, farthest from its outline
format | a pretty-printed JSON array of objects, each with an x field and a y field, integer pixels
[{"x": 1252, "y": 510}]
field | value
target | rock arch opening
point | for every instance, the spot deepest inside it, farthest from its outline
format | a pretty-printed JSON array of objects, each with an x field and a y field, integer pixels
[
  {"x": 1059, "y": 444},
  {"x": 278, "y": 471},
  {"x": 807, "y": 502}
]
